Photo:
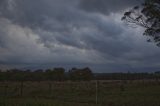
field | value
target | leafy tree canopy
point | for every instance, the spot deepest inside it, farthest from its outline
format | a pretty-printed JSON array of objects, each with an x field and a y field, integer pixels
[{"x": 146, "y": 15}]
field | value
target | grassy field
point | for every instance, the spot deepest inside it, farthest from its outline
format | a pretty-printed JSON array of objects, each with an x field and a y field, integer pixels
[{"x": 109, "y": 93}]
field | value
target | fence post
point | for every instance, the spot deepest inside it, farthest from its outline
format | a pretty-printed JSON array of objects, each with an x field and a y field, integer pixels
[
  {"x": 96, "y": 91},
  {"x": 5, "y": 90},
  {"x": 21, "y": 88},
  {"x": 50, "y": 88}
]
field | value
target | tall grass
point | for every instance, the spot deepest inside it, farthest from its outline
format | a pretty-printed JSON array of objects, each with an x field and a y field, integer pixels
[{"x": 109, "y": 93}]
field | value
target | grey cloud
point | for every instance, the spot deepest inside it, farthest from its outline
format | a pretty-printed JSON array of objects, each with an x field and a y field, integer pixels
[
  {"x": 107, "y": 6},
  {"x": 34, "y": 13},
  {"x": 74, "y": 32}
]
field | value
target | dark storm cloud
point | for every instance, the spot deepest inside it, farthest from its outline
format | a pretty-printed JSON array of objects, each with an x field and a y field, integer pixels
[
  {"x": 34, "y": 13},
  {"x": 107, "y": 6},
  {"x": 72, "y": 32}
]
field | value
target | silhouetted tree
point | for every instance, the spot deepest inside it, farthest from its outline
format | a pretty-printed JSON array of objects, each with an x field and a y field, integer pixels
[
  {"x": 48, "y": 74},
  {"x": 146, "y": 15},
  {"x": 80, "y": 74},
  {"x": 39, "y": 75},
  {"x": 58, "y": 74},
  {"x": 157, "y": 75}
]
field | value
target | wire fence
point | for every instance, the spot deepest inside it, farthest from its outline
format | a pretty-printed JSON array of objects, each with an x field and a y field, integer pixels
[
  {"x": 93, "y": 92},
  {"x": 68, "y": 91}
]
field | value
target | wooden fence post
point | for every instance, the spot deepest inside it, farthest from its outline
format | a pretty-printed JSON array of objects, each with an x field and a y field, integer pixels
[
  {"x": 96, "y": 91},
  {"x": 50, "y": 88},
  {"x": 6, "y": 90},
  {"x": 21, "y": 88}
]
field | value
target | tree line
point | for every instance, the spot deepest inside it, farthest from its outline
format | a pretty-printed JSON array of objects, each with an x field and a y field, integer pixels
[
  {"x": 55, "y": 74},
  {"x": 74, "y": 74},
  {"x": 128, "y": 76}
]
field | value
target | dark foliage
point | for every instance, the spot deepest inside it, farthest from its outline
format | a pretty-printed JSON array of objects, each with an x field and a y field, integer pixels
[
  {"x": 56, "y": 74},
  {"x": 81, "y": 74},
  {"x": 59, "y": 74},
  {"x": 127, "y": 76},
  {"x": 146, "y": 15}
]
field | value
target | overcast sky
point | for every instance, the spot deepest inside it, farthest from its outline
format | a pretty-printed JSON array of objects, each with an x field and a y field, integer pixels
[{"x": 73, "y": 33}]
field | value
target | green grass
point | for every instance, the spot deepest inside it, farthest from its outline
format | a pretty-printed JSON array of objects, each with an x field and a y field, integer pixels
[{"x": 110, "y": 93}]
